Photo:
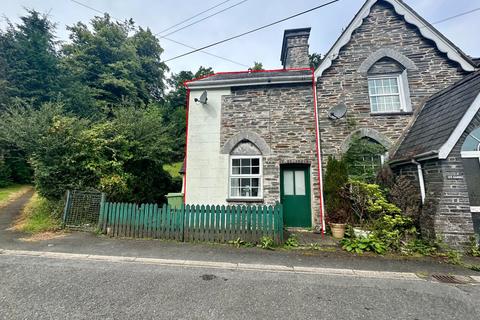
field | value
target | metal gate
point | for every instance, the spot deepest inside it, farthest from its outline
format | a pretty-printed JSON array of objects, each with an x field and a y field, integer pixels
[{"x": 82, "y": 209}]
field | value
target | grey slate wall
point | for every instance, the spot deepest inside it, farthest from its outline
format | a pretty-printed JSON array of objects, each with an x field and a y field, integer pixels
[
  {"x": 297, "y": 52},
  {"x": 283, "y": 116},
  {"x": 453, "y": 218},
  {"x": 342, "y": 82},
  {"x": 446, "y": 212}
]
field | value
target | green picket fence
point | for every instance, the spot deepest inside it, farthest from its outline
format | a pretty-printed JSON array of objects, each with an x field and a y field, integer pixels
[{"x": 192, "y": 223}]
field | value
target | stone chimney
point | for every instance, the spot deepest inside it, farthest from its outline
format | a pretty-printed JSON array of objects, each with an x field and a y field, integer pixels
[{"x": 295, "y": 48}]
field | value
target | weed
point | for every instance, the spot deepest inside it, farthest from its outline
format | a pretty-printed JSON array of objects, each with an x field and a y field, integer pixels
[
  {"x": 266, "y": 243},
  {"x": 360, "y": 245},
  {"x": 474, "y": 247},
  {"x": 292, "y": 241}
]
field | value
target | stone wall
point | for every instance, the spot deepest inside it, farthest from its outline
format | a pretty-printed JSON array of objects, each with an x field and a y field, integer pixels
[
  {"x": 453, "y": 218},
  {"x": 343, "y": 82},
  {"x": 446, "y": 212},
  {"x": 297, "y": 52},
  {"x": 283, "y": 116}
]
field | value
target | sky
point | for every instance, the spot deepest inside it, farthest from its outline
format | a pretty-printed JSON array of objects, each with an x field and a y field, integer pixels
[{"x": 263, "y": 46}]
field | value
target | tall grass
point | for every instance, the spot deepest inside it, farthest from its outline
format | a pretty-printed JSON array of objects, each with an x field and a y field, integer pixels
[{"x": 40, "y": 215}]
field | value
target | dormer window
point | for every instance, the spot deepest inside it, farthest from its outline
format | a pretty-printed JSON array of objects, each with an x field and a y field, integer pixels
[{"x": 386, "y": 94}]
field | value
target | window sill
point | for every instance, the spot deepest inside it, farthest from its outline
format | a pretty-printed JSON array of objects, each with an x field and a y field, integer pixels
[
  {"x": 384, "y": 114},
  {"x": 233, "y": 200}
]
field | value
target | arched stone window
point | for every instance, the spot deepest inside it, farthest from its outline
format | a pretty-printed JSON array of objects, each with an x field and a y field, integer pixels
[
  {"x": 245, "y": 175},
  {"x": 471, "y": 165},
  {"x": 364, "y": 158},
  {"x": 388, "y": 90}
]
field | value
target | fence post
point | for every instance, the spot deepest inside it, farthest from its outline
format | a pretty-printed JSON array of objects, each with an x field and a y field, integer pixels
[
  {"x": 280, "y": 221},
  {"x": 181, "y": 224},
  {"x": 65, "y": 210},
  {"x": 102, "y": 216}
]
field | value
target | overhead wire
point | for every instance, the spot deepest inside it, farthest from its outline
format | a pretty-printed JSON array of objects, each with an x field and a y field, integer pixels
[
  {"x": 194, "y": 16},
  {"x": 202, "y": 19},
  {"x": 254, "y": 30},
  {"x": 166, "y": 38}
]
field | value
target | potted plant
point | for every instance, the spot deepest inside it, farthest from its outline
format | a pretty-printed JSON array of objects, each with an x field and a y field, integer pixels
[
  {"x": 336, "y": 201},
  {"x": 338, "y": 222}
]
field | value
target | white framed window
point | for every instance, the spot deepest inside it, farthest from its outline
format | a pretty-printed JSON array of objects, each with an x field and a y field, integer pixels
[
  {"x": 387, "y": 93},
  {"x": 245, "y": 177}
]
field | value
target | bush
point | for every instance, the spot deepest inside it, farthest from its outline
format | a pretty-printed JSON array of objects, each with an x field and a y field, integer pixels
[
  {"x": 406, "y": 196},
  {"x": 369, "y": 202},
  {"x": 336, "y": 177},
  {"x": 122, "y": 156}
]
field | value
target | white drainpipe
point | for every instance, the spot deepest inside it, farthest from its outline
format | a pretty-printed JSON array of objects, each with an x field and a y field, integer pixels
[{"x": 420, "y": 180}]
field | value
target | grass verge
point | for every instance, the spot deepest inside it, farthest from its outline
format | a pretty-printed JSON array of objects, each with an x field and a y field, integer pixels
[
  {"x": 12, "y": 192},
  {"x": 39, "y": 215}
]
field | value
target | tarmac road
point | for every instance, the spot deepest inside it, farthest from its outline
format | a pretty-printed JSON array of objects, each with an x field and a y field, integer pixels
[{"x": 45, "y": 288}]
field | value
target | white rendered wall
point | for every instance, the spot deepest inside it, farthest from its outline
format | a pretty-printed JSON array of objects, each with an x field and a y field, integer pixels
[{"x": 207, "y": 169}]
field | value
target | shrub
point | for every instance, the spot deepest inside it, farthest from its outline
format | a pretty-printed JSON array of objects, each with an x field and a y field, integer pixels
[
  {"x": 392, "y": 231},
  {"x": 368, "y": 201},
  {"x": 336, "y": 177},
  {"x": 406, "y": 196}
]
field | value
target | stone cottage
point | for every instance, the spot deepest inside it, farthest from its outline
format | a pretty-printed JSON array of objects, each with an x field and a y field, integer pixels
[
  {"x": 441, "y": 152},
  {"x": 263, "y": 137}
]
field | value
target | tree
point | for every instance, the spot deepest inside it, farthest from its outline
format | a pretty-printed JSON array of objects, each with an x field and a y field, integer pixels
[
  {"x": 257, "y": 66},
  {"x": 336, "y": 177},
  {"x": 315, "y": 60},
  {"x": 29, "y": 63},
  {"x": 122, "y": 156},
  {"x": 118, "y": 63}
]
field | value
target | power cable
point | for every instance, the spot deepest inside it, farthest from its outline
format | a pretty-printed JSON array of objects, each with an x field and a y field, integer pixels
[
  {"x": 253, "y": 30},
  {"x": 456, "y": 16},
  {"x": 200, "y": 20},
  {"x": 194, "y": 16},
  {"x": 168, "y": 39}
]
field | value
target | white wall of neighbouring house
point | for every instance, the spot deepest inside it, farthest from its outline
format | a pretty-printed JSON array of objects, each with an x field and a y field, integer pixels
[{"x": 207, "y": 168}]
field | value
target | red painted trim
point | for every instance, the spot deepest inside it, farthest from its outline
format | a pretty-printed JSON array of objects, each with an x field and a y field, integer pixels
[
  {"x": 246, "y": 71},
  {"x": 186, "y": 147},
  {"x": 317, "y": 132},
  {"x": 317, "y": 147}
]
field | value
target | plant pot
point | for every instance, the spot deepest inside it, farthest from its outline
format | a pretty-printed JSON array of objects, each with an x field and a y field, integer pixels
[
  {"x": 361, "y": 233},
  {"x": 338, "y": 230}
]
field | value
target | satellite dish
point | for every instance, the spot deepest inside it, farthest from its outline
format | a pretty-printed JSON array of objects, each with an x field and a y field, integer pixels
[
  {"x": 338, "y": 111},
  {"x": 203, "y": 98}
]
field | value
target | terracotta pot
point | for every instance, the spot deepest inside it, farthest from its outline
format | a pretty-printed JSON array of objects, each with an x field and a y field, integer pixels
[{"x": 338, "y": 230}]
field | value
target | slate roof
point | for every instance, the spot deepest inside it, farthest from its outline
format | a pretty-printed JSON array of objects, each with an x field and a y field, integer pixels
[
  {"x": 255, "y": 75},
  {"x": 438, "y": 118}
]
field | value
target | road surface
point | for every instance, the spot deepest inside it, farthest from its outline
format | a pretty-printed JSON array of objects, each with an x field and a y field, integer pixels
[{"x": 45, "y": 288}]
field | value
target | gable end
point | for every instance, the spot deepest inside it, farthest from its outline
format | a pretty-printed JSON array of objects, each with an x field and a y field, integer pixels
[{"x": 410, "y": 16}]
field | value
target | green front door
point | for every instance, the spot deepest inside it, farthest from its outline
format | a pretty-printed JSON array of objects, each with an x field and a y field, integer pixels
[{"x": 295, "y": 195}]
